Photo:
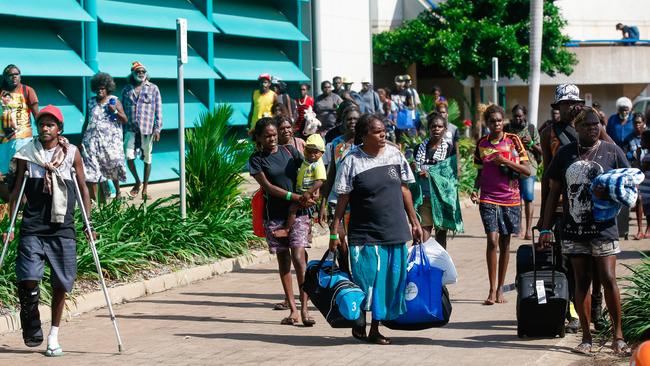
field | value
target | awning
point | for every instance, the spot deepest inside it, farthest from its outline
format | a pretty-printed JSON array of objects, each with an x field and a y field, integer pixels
[
  {"x": 193, "y": 107},
  {"x": 241, "y": 61},
  {"x": 49, "y": 94},
  {"x": 39, "y": 52},
  {"x": 155, "y": 49},
  {"x": 254, "y": 20},
  {"x": 159, "y": 14},
  {"x": 56, "y": 9}
]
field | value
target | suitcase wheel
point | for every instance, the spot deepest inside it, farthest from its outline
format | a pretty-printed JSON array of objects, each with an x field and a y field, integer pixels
[{"x": 520, "y": 332}]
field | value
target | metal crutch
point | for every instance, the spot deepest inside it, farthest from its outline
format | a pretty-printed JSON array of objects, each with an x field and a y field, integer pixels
[
  {"x": 12, "y": 223},
  {"x": 93, "y": 249}
]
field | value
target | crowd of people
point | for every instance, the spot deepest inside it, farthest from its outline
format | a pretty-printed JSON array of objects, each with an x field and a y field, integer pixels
[
  {"x": 336, "y": 159},
  {"x": 115, "y": 131},
  {"x": 375, "y": 200}
]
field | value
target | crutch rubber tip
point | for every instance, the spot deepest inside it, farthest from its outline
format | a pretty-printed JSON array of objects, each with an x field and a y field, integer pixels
[{"x": 119, "y": 348}]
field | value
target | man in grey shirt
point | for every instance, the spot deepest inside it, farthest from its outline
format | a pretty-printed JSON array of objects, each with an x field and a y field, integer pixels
[
  {"x": 325, "y": 107},
  {"x": 369, "y": 97}
]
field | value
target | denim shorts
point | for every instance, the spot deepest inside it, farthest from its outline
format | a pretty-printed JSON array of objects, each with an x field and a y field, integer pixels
[
  {"x": 500, "y": 219},
  {"x": 527, "y": 188},
  {"x": 60, "y": 253},
  {"x": 594, "y": 248}
]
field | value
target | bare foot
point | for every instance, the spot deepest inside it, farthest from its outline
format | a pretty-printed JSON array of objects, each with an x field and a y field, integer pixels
[
  {"x": 528, "y": 236},
  {"x": 281, "y": 233},
  {"x": 378, "y": 338},
  {"x": 500, "y": 299},
  {"x": 491, "y": 298}
]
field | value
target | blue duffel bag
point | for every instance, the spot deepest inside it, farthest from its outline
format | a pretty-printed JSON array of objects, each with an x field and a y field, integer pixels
[
  {"x": 333, "y": 294},
  {"x": 427, "y": 300}
]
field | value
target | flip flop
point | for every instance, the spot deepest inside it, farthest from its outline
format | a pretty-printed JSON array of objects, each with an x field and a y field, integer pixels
[
  {"x": 621, "y": 348},
  {"x": 281, "y": 306},
  {"x": 583, "y": 348},
  {"x": 289, "y": 321},
  {"x": 639, "y": 236},
  {"x": 308, "y": 321},
  {"x": 379, "y": 339},
  {"x": 54, "y": 352},
  {"x": 133, "y": 193}
]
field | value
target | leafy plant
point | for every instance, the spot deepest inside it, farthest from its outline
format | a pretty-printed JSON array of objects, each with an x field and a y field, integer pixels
[
  {"x": 214, "y": 160},
  {"x": 468, "y": 170},
  {"x": 635, "y": 304},
  {"x": 133, "y": 238}
]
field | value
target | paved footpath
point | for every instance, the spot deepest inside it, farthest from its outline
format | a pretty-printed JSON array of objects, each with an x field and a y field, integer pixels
[{"x": 228, "y": 320}]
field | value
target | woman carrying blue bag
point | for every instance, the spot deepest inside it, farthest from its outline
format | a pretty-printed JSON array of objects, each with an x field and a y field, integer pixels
[{"x": 373, "y": 179}]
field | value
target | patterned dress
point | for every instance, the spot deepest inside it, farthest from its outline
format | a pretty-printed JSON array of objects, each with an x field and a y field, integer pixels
[{"x": 103, "y": 145}]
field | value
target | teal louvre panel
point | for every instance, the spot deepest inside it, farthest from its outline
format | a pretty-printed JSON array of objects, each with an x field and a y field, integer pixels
[
  {"x": 248, "y": 19},
  {"x": 238, "y": 95},
  {"x": 246, "y": 62},
  {"x": 45, "y": 9},
  {"x": 162, "y": 162},
  {"x": 193, "y": 107},
  {"x": 40, "y": 52},
  {"x": 157, "y": 51},
  {"x": 49, "y": 94},
  {"x": 239, "y": 114},
  {"x": 159, "y": 14}
]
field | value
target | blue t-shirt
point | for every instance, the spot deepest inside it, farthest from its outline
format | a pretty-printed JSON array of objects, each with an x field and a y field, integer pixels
[{"x": 617, "y": 131}]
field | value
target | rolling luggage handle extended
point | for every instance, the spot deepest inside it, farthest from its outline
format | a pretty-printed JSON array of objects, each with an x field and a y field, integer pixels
[{"x": 535, "y": 265}]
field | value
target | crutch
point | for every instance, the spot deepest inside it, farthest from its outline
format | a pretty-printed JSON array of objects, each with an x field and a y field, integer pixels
[
  {"x": 12, "y": 223},
  {"x": 93, "y": 249}
]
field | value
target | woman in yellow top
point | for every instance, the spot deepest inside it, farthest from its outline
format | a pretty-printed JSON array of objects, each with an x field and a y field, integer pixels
[{"x": 261, "y": 102}]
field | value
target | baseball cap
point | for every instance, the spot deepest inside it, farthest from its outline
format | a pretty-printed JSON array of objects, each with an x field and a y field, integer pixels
[
  {"x": 365, "y": 80},
  {"x": 406, "y": 77},
  {"x": 264, "y": 76},
  {"x": 567, "y": 92},
  {"x": 136, "y": 65},
  {"x": 315, "y": 141},
  {"x": 52, "y": 111},
  {"x": 399, "y": 78}
]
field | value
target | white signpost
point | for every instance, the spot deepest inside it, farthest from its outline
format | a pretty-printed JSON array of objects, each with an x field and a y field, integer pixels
[{"x": 181, "y": 43}]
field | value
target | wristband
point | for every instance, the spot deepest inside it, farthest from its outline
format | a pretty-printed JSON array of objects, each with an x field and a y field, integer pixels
[
  {"x": 288, "y": 196},
  {"x": 334, "y": 236},
  {"x": 542, "y": 232},
  {"x": 531, "y": 144}
]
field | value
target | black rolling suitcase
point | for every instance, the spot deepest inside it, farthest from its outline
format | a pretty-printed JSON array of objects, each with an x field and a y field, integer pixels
[
  {"x": 542, "y": 300},
  {"x": 623, "y": 222}
]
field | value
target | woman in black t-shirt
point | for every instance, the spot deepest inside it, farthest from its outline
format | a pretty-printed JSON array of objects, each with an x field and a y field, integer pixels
[{"x": 275, "y": 168}]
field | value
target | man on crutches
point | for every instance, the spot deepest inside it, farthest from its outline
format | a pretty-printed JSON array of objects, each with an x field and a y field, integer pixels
[{"x": 47, "y": 234}]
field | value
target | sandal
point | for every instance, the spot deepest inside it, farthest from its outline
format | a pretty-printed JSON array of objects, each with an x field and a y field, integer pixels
[
  {"x": 133, "y": 193},
  {"x": 54, "y": 352},
  {"x": 379, "y": 339},
  {"x": 308, "y": 321},
  {"x": 281, "y": 306},
  {"x": 289, "y": 321},
  {"x": 621, "y": 348},
  {"x": 583, "y": 348}
]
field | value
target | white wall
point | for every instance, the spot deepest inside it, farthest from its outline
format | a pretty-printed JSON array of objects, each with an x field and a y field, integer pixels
[
  {"x": 596, "y": 19},
  {"x": 345, "y": 40}
]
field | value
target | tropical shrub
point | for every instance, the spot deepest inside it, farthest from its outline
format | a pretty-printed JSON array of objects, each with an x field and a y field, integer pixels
[{"x": 214, "y": 161}]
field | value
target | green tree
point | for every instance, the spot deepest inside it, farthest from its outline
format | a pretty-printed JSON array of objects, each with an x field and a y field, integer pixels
[{"x": 462, "y": 36}]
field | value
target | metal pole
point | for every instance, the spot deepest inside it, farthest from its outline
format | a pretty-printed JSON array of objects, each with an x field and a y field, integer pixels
[
  {"x": 495, "y": 79},
  {"x": 317, "y": 61},
  {"x": 91, "y": 36},
  {"x": 12, "y": 223},
  {"x": 93, "y": 248},
  {"x": 536, "y": 26},
  {"x": 181, "y": 42}
]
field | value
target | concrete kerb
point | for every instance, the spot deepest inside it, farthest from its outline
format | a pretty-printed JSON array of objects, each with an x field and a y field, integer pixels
[{"x": 128, "y": 292}]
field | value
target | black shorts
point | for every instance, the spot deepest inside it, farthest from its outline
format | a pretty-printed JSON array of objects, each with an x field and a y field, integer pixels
[{"x": 60, "y": 253}]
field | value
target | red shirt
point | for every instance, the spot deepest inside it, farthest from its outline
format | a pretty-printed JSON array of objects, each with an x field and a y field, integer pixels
[{"x": 302, "y": 104}]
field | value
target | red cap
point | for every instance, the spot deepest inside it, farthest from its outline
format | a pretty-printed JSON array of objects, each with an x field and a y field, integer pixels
[
  {"x": 52, "y": 111},
  {"x": 264, "y": 76}
]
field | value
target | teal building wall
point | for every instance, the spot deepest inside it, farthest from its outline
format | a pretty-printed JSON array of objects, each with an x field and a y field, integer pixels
[{"x": 60, "y": 44}]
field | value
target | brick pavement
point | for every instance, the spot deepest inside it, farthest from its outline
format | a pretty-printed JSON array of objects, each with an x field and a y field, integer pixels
[{"x": 228, "y": 320}]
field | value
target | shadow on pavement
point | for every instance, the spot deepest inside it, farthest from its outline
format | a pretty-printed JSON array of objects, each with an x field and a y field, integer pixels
[
  {"x": 278, "y": 296},
  {"x": 256, "y": 304},
  {"x": 283, "y": 339},
  {"x": 191, "y": 318},
  {"x": 628, "y": 254},
  {"x": 505, "y": 341},
  {"x": 261, "y": 271},
  {"x": 487, "y": 324}
]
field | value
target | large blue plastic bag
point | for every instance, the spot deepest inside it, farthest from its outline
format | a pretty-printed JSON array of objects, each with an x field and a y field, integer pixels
[{"x": 423, "y": 291}]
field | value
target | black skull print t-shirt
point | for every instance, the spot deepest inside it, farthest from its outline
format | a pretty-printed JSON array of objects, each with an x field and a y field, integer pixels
[{"x": 576, "y": 175}]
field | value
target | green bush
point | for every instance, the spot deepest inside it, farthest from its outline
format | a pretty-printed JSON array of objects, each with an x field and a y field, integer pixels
[
  {"x": 133, "y": 238},
  {"x": 468, "y": 170},
  {"x": 635, "y": 304},
  {"x": 214, "y": 161}
]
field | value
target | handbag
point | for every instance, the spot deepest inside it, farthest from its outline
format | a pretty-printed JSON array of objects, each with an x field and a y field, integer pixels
[
  {"x": 334, "y": 295},
  {"x": 257, "y": 206},
  {"x": 405, "y": 119},
  {"x": 427, "y": 300}
]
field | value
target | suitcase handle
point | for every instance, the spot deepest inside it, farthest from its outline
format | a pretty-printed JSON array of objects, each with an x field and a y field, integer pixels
[
  {"x": 535, "y": 254},
  {"x": 322, "y": 261}
]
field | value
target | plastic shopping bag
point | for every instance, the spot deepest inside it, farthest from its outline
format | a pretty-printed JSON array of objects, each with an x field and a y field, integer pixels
[{"x": 439, "y": 258}]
